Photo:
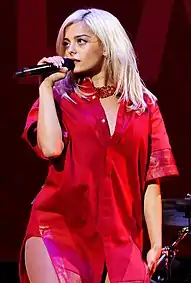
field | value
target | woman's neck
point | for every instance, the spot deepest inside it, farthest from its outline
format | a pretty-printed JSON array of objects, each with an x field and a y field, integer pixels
[
  {"x": 98, "y": 80},
  {"x": 101, "y": 79}
]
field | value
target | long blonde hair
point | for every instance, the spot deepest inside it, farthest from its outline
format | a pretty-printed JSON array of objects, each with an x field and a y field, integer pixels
[{"x": 121, "y": 62}]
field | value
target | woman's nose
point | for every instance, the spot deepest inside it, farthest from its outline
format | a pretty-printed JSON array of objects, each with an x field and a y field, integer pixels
[{"x": 71, "y": 49}]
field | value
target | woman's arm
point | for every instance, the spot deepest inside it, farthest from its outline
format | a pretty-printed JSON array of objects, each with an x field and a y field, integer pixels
[
  {"x": 153, "y": 218},
  {"x": 49, "y": 132}
]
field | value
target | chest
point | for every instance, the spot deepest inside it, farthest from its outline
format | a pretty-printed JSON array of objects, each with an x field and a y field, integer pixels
[
  {"x": 102, "y": 120},
  {"x": 110, "y": 109}
]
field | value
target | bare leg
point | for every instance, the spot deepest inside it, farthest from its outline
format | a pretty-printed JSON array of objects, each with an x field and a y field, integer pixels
[
  {"x": 38, "y": 263},
  {"x": 107, "y": 279}
]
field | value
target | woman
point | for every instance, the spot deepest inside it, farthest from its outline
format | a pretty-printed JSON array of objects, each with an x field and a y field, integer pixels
[{"x": 103, "y": 134}]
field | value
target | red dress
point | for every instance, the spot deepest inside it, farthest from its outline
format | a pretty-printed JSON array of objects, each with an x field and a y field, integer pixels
[{"x": 89, "y": 210}]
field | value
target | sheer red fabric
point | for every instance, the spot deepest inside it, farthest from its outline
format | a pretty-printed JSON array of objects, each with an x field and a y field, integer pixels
[{"x": 89, "y": 211}]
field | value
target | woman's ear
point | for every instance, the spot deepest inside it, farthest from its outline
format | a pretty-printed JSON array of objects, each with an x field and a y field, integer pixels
[{"x": 104, "y": 53}]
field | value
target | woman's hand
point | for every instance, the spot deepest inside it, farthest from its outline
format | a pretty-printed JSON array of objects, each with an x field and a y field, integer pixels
[
  {"x": 152, "y": 259},
  {"x": 62, "y": 71}
]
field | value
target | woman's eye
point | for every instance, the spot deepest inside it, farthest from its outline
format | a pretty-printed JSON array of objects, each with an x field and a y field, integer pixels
[
  {"x": 81, "y": 41},
  {"x": 65, "y": 44}
]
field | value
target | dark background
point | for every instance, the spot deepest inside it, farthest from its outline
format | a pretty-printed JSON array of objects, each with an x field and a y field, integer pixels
[{"x": 160, "y": 31}]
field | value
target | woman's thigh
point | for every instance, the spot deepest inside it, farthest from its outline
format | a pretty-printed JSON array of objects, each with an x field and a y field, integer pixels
[
  {"x": 107, "y": 279},
  {"x": 38, "y": 263}
]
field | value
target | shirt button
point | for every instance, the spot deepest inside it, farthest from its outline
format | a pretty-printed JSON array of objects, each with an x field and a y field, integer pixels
[
  {"x": 103, "y": 120},
  {"x": 93, "y": 97}
]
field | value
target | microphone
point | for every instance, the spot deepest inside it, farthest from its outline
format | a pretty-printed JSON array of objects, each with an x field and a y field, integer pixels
[{"x": 45, "y": 69}]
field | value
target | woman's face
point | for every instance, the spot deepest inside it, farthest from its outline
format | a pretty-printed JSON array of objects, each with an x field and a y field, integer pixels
[{"x": 81, "y": 44}]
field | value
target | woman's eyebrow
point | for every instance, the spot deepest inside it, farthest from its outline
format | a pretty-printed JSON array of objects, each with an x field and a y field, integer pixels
[{"x": 79, "y": 35}]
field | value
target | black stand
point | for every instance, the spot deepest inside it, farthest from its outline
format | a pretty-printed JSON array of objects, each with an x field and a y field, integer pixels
[{"x": 169, "y": 253}]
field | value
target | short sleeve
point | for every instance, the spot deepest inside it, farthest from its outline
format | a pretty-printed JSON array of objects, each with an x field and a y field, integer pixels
[
  {"x": 161, "y": 163},
  {"x": 30, "y": 130}
]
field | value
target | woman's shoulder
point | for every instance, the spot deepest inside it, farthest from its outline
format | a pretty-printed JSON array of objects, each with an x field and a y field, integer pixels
[{"x": 151, "y": 101}]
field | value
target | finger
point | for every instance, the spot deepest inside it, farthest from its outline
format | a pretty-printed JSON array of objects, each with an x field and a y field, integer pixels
[
  {"x": 62, "y": 60},
  {"x": 152, "y": 269},
  {"x": 56, "y": 61},
  {"x": 150, "y": 265},
  {"x": 59, "y": 60},
  {"x": 53, "y": 61},
  {"x": 44, "y": 60},
  {"x": 64, "y": 69}
]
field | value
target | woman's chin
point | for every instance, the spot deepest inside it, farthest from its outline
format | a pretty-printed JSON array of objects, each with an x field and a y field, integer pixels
[{"x": 78, "y": 71}]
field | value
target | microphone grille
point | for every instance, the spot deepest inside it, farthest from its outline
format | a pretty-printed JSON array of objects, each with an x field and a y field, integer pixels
[{"x": 69, "y": 63}]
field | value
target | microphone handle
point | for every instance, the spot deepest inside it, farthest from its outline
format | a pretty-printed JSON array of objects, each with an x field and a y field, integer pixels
[
  {"x": 45, "y": 69},
  {"x": 37, "y": 70}
]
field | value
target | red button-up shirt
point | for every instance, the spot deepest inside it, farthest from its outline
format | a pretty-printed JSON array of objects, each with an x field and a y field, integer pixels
[{"x": 89, "y": 211}]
